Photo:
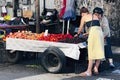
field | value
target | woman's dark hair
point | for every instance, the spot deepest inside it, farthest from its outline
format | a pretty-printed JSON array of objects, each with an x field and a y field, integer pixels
[
  {"x": 98, "y": 10},
  {"x": 83, "y": 10}
]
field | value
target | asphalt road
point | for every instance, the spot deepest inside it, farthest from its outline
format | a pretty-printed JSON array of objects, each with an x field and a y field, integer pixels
[{"x": 30, "y": 69}]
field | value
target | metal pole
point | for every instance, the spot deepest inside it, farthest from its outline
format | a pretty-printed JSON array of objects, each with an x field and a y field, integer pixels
[
  {"x": 68, "y": 25},
  {"x": 37, "y": 9},
  {"x": 44, "y": 4},
  {"x": 63, "y": 27}
]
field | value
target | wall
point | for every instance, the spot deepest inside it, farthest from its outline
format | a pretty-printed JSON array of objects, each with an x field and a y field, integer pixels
[{"x": 114, "y": 19}]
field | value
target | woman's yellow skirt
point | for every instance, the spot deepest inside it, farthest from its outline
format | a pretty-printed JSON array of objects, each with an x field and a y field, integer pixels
[{"x": 95, "y": 43}]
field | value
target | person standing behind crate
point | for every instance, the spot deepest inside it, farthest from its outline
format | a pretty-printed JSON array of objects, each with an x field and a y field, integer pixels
[
  {"x": 108, "y": 52},
  {"x": 95, "y": 40}
]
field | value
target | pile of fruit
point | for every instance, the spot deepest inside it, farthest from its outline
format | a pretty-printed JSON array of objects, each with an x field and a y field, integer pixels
[
  {"x": 65, "y": 38},
  {"x": 34, "y": 36}
]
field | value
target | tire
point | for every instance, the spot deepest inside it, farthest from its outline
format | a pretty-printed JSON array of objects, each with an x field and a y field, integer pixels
[
  {"x": 53, "y": 60},
  {"x": 13, "y": 57}
]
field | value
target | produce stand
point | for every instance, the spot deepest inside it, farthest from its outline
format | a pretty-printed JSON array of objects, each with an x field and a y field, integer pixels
[{"x": 53, "y": 53}]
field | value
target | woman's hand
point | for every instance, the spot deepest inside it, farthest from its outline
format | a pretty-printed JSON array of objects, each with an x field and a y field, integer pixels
[
  {"x": 75, "y": 35},
  {"x": 85, "y": 34},
  {"x": 105, "y": 37}
]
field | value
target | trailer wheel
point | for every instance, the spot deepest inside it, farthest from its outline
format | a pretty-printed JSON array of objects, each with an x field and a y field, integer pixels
[
  {"x": 53, "y": 60},
  {"x": 13, "y": 57}
]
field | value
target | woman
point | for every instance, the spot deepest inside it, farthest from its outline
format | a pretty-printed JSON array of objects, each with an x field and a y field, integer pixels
[
  {"x": 95, "y": 39},
  {"x": 108, "y": 52}
]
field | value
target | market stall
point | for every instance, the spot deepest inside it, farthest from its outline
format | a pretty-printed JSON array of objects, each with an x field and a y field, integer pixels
[
  {"x": 53, "y": 52},
  {"x": 54, "y": 48}
]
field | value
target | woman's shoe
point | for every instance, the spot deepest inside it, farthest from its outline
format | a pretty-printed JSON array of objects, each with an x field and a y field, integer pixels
[
  {"x": 112, "y": 65},
  {"x": 94, "y": 72},
  {"x": 85, "y": 74}
]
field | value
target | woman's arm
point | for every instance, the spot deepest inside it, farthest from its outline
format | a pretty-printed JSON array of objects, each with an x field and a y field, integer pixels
[{"x": 81, "y": 25}]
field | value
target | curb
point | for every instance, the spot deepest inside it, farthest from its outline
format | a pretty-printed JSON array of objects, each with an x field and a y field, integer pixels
[{"x": 115, "y": 50}]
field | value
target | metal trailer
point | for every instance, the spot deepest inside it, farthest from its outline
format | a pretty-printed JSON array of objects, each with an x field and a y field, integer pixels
[{"x": 53, "y": 54}]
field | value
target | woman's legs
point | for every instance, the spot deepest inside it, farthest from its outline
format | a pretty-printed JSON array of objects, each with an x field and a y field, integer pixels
[
  {"x": 88, "y": 72},
  {"x": 108, "y": 52},
  {"x": 96, "y": 66},
  {"x": 110, "y": 60},
  {"x": 111, "y": 63},
  {"x": 90, "y": 65}
]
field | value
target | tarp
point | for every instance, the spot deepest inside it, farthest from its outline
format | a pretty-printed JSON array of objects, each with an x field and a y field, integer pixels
[{"x": 70, "y": 50}]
